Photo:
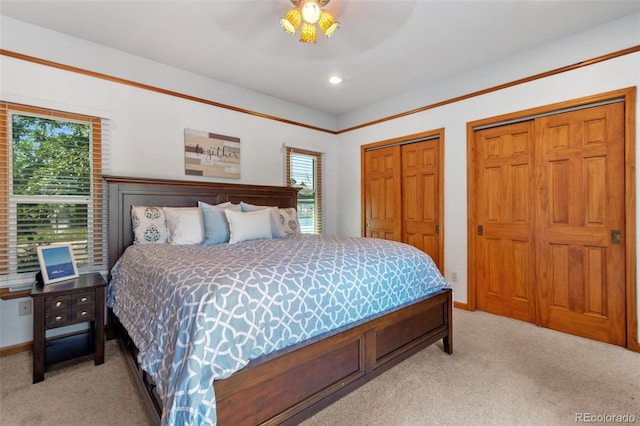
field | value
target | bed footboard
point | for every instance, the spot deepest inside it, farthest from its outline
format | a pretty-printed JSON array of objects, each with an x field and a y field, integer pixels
[{"x": 290, "y": 385}]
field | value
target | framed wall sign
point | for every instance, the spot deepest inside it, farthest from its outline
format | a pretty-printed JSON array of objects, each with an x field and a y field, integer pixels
[
  {"x": 210, "y": 154},
  {"x": 57, "y": 263}
]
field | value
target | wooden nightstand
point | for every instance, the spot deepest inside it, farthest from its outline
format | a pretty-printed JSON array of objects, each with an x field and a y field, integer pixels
[{"x": 65, "y": 303}]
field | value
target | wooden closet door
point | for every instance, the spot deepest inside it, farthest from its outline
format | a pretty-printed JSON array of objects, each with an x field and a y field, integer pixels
[
  {"x": 420, "y": 196},
  {"x": 383, "y": 216},
  {"x": 581, "y": 252},
  {"x": 505, "y": 249}
]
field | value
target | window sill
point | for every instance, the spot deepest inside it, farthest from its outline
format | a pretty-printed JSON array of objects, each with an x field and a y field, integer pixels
[{"x": 5, "y": 294}]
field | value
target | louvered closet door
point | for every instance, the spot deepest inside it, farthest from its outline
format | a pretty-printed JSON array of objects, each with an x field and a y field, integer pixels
[
  {"x": 505, "y": 249},
  {"x": 581, "y": 222},
  {"x": 383, "y": 215}
]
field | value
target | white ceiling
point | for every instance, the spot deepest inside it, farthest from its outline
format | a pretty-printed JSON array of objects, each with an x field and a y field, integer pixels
[{"x": 383, "y": 47}]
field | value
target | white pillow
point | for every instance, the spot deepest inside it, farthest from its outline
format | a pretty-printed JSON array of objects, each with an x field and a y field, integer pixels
[
  {"x": 149, "y": 225},
  {"x": 185, "y": 225},
  {"x": 277, "y": 228},
  {"x": 248, "y": 226}
]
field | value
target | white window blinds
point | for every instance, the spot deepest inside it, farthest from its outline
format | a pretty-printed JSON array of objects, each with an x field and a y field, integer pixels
[
  {"x": 51, "y": 191},
  {"x": 304, "y": 171}
]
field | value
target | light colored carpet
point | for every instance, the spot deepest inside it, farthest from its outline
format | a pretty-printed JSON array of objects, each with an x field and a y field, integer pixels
[
  {"x": 80, "y": 394},
  {"x": 502, "y": 372}
]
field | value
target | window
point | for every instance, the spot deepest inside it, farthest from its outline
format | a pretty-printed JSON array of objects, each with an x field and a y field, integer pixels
[
  {"x": 304, "y": 171},
  {"x": 51, "y": 190}
]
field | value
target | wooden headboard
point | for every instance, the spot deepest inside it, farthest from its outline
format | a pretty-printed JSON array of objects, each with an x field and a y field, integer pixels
[{"x": 123, "y": 192}]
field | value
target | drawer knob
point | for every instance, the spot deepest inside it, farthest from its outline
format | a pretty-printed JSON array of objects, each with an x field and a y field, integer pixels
[
  {"x": 58, "y": 304},
  {"x": 83, "y": 313},
  {"x": 58, "y": 318},
  {"x": 84, "y": 299}
]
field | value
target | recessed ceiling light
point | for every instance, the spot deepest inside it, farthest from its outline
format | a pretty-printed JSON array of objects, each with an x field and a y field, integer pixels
[{"x": 335, "y": 80}]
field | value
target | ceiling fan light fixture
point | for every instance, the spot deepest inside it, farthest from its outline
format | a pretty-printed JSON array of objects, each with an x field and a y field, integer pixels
[
  {"x": 291, "y": 21},
  {"x": 309, "y": 13},
  {"x": 327, "y": 24},
  {"x": 308, "y": 33}
]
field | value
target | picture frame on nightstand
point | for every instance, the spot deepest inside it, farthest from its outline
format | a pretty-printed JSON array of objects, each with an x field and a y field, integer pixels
[{"x": 57, "y": 263}]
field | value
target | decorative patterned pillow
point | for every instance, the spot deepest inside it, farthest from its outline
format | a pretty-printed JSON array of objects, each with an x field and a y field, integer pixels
[
  {"x": 185, "y": 225},
  {"x": 277, "y": 229},
  {"x": 289, "y": 220},
  {"x": 149, "y": 225},
  {"x": 248, "y": 226},
  {"x": 216, "y": 226}
]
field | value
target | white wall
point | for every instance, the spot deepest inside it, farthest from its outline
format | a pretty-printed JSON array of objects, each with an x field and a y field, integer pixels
[
  {"x": 147, "y": 127},
  {"x": 605, "y": 39}
]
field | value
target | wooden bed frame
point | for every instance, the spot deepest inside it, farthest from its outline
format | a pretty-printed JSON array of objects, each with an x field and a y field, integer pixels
[{"x": 290, "y": 385}]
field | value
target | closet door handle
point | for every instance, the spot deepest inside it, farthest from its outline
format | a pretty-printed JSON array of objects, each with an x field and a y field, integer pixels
[{"x": 616, "y": 237}]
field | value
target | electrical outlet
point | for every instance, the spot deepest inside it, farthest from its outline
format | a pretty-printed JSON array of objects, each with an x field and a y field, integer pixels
[
  {"x": 454, "y": 277},
  {"x": 24, "y": 307}
]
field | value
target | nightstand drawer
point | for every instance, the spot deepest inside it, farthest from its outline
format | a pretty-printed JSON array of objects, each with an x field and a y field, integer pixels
[
  {"x": 58, "y": 303},
  {"x": 86, "y": 313},
  {"x": 82, "y": 300},
  {"x": 57, "y": 319}
]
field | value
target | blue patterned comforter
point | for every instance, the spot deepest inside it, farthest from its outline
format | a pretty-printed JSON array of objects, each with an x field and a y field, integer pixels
[{"x": 201, "y": 313}]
